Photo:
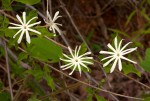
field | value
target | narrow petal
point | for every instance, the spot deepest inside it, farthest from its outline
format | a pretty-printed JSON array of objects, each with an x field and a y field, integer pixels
[
  {"x": 110, "y": 46},
  {"x": 20, "y": 38},
  {"x": 105, "y": 64},
  {"x": 49, "y": 16},
  {"x": 119, "y": 64},
  {"x": 73, "y": 69},
  {"x": 107, "y": 57},
  {"x": 77, "y": 54},
  {"x": 31, "y": 20},
  {"x": 70, "y": 52},
  {"x": 84, "y": 66},
  {"x": 87, "y": 53},
  {"x": 116, "y": 42},
  {"x": 31, "y": 25},
  {"x": 66, "y": 65},
  {"x": 119, "y": 47},
  {"x": 125, "y": 46},
  {"x": 27, "y": 37},
  {"x": 75, "y": 51},
  {"x": 18, "y": 17},
  {"x": 65, "y": 60},
  {"x": 32, "y": 30},
  {"x": 67, "y": 56},
  {"x": 15, "y": 24},
  {"x": 128, "y": 51},
  {"x": 113, "y": 66},
  {"x": 124, "y": 58},
  {"x": 58, "y": 24},
  {"x": 79, "y": 68},
  {"x": 56, "y": 16},
  {"x": 106, "y": 52},
  {"x": 14, "y": 27},
  {"x": 58, "y": 30},
  {"x": 24, "y": 17},
  {"x": 17, "y": 33}
]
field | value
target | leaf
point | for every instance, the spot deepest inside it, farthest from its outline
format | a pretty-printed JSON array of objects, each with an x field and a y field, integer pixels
[
  {"x": 4, "y": 96},
  {"x": 50, "y": 81},
  {"x": 146, "y": 62},
  {"x": 130, "y": 17},
  {"x": 99, "y": 98},
  {"x": 30, "y": 2},
  {"x": 129, "y": 68},
  {"x": 22, "y": 56},
  {"x": 6, "y": 5},
  {"x": 89, "y": 98},
  {"x": 44, "y": 50},
  {"x": 147, "y": 99}
]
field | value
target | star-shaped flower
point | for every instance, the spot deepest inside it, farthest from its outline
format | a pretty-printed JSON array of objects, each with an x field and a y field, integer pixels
[
  {"x": 76, "y": 60},
  {"x": 24, "y": 27},
  {"x": 51, "y": 22},
  {"x": 117, "y": 53}
]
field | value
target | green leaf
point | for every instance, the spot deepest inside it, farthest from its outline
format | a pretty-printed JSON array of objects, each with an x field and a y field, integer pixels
[
  {"x": 146, "y": 62},
  {"x": 4, "y": 96},
  {"x": 89, "y": 98},
  {"x": 147, "y": 99},
  {"x": 44, "y": 50},
  {"x": 30, "y": 2},
  {"x": 3, "y": 22},
  {"x": 130, "y": 17},
  {"x": 99, "y": 98},
  {"x": 50, "y": 81},
  {"x": 22, "y": 56},
  {"x": 36, "y": 72},
  {"x": 129, "y": 68},
  {"x": 6, "y": 5}
]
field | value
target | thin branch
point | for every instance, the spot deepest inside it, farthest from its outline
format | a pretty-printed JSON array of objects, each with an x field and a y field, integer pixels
[{"x": 8, "y": 70}]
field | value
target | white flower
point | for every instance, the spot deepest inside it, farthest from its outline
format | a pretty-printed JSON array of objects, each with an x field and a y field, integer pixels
[
  {"x": 76, "y": 60},
  {"x": 24, "y": 27},
  {"x": 117, "y": 54},
  {"x": 51, "y": 22}
]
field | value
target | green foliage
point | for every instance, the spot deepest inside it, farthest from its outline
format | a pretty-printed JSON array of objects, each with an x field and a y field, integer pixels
[
  {"x": 146, "y": 62},
  {"x": 4, "y": 96},
  {"x": 6, "y": 4},
  {"x": 99, "y": 98},
  {"x": 129, "y": 68},
  {"x": 44, "y": 50},
  {"x": 30, "y": 2}
]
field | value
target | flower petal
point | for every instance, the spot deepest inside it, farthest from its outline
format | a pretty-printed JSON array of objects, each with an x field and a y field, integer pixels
[
  {"x": 73, "y": 69},
  {"x": 31, "y": 20},
  {"x": 116, "y": 42},
  {"x": 113, "y": 66},
  {"x": 18, "y": 17},
  {"x": 87, "y": 53},
  {"x": 31, "y": 25},
  {"x": 84, "y": 66},
  {"x": 87, "y": 62},
  {"x": 125, "y": 46},
  {"x": 27, "y": 37},
  {"x": 124, "y": 58},
  {"x": 119, "y": 64},
  {"x": 67, "y": 56},
  {"x": 79, "y": 68},
  {"x": 110, "y": 46},
  {"x": 14, "y": 27},
  {"x": 32, "y": 30},
  {"x": 66, "y": 65},
  {"x": 77, "y": 54},
  {"x": 17, "y": 33},
  {"x": 105, "y": 64},
  {"x": 107, "y": 57},
  {"x": 65, "y": 60},
  {"x": 70, "y": 52},
  {"x": 24, "y": 17},
  {"x": 119, "y": 45},
  {"x": 128, "y": 51},
  {"x": 106, "y": 52},
  {"x": 20, "y": 38},
  {"x": 56, "y": 16},
  {"x": 15, "y": 24}
]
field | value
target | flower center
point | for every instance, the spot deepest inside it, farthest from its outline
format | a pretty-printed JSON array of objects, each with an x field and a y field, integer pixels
[{"x": 25, "y": 27}]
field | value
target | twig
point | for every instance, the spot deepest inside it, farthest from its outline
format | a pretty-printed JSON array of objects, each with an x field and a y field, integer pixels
[{"x": 8, "y": 70}]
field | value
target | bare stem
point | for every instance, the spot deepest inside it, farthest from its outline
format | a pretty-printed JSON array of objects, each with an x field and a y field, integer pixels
[{"x": 8, "y": 70}]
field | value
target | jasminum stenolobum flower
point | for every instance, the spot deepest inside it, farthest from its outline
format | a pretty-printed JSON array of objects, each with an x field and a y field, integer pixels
[
  {"x": 51, "y": 22},
  {"x": 24, "y": 27},
  {"x": 117, "y": 53},
  {"x": 76, "y": 60}
]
